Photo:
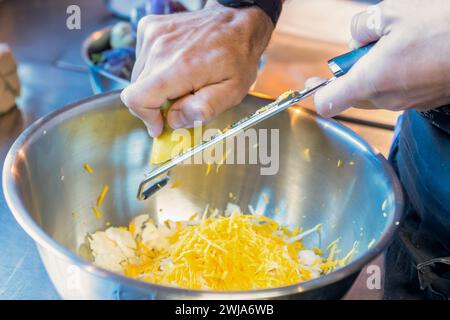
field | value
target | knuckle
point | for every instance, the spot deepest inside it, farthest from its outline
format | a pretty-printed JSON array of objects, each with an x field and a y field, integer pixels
[
  {"x": 397, "y": 105},
  {"x": 149, "y": 27},
  {"x": 354, "y": 24},
  {"x": 207, "y": 112},
  {"x": 142, "y": 25},
  {"x": 159, "y": 83},
  {"x": 160, "y": 45},
  {"x": 203, "y": 112},
  {"x": 132, "y": 102},
  {"x": 169, "y": 24},
  {"x": 165, "y": 40},
  {"x": 186, "y": 61}
]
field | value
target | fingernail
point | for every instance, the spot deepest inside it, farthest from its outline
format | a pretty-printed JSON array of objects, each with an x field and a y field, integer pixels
[
  {"x": 177, "y": 119},
  {"x": 326, "y": 110},
  {"x": 153, "y": 133},
  {"x": 150, "y": 132}
]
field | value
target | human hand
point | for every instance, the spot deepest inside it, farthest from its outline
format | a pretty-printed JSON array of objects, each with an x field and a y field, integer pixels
[
  {"x": 409, "y": 67},
  {"x": 206, "y": 59}
]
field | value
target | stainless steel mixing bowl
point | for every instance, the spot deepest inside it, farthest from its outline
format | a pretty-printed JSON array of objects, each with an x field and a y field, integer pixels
[{"x": 51, "y": 196}]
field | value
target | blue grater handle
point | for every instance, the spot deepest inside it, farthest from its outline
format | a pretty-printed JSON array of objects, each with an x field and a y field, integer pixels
[{"x": 342, "y": 64}]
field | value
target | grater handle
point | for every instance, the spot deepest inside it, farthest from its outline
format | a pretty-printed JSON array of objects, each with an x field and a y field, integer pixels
[{"x": 342, "y": 64}]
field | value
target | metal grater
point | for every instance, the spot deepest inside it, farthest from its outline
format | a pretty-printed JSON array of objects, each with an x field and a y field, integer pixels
[{"x": 159, "y": 177}]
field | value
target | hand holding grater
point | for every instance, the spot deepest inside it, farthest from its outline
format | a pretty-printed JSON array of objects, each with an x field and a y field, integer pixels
[{"x": 159, "y": 177}]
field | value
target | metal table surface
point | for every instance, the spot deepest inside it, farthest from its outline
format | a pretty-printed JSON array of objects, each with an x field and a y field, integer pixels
[
  {"x": 48, "y": 58},
  {"x": 52, "y": 75}
]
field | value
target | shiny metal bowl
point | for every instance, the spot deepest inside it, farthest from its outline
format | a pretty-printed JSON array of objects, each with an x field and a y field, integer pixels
[{"x": 51, "y": 196}]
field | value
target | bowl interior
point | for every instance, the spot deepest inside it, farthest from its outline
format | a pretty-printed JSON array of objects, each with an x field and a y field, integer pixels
[{"x": 326, "y": 174}]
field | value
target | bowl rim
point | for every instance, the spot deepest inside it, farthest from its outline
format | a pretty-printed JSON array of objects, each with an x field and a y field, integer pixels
[{"x": 33, "y": 229}]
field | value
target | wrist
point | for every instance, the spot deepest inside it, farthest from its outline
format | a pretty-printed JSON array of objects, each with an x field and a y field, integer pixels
[
  {"x": 252, "y": 14},
  {"x": 253, "y": 11}
]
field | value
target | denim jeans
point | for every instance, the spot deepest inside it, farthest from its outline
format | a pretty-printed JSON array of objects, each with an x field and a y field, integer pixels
[{"x": 418, "y": 260}]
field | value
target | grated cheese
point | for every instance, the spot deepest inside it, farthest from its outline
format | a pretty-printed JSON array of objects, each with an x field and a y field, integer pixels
[
  {"x": 176, "y": 184},
  {"x": 307, "y": 154},
  {"x": 222, "y": 161},
  {"x": 88, "y": 168},
  {"x": 102, "y": 195},
  {"x": 97, "y": 212},
  {"x": 234, "y": 251},
  {"x": 208, "y": 169}
]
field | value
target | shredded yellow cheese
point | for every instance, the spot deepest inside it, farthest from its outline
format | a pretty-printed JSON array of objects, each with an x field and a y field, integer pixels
[
  {"x": 222, "y": 161},
  {"x": 176, "y": 184},
  {"x": 307, "y": 154},
  {"x": 97, "y": 212},
  {"x": 88, "y": 168},
  {"x": 217, "y": 252},
  {"x": 208, "y": 169},
  {"x": 102, "y": 195}
]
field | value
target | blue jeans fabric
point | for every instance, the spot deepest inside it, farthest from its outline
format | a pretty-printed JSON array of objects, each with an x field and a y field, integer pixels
[{"x": 418, "y": 260}]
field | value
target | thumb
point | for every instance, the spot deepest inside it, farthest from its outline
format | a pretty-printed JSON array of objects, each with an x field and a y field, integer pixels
[
  {"x": 204, "y": 104},
  {"x": 349, "y": 90},
  {"x": 354, "y": 88}
]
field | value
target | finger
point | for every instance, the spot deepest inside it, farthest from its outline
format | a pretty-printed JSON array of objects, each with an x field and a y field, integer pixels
[
  {"x": 313, "y": 81},
  {"x": 148, "y": 93},
  {"x": 154, "y": 89},
  {"x": 347, "y": 91},
  {"x": 146, "y": 96},
  {"x": 147, "y": 33},
  {"x": 367, "y": 27},
  {"x": 139, "y": 64},
  {"x": 152, "y": 119},
  {"x": 205, "y": 104}
]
